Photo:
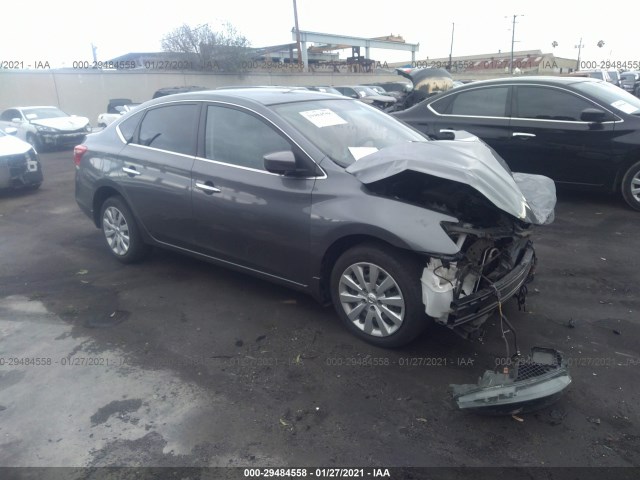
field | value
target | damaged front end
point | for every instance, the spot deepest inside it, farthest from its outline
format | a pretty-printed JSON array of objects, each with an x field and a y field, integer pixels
[
  {"x": 493, "y": 265},
  {"x": 467, "y": 181},
  {"x": 492, "y": 214}
]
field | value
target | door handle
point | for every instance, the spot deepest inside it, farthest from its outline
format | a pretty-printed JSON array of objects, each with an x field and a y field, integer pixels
[
  {"x": 207, "y": 187},
  {"x": 523, "y": 134},
  {"x": 130, "y": 171}
]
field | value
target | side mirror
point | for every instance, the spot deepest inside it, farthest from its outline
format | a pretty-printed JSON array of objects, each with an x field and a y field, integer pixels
[
  {"x": 592, "y": 115},
  {"x": 10, "y": 130},
  {"x": 282, "y": 163}
]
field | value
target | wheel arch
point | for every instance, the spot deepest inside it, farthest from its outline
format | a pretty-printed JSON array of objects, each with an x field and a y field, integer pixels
[
  {"x": 630, "y": 159},
  {"x": 100, "y": 196},
  {"x": 341, "y": 245}
]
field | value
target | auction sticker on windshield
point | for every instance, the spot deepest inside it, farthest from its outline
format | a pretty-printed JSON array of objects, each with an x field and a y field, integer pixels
[
  {"x": 323, "y": 117},
  {"x": 358, "y": 152},
  {"x": 624, "y": 106}
]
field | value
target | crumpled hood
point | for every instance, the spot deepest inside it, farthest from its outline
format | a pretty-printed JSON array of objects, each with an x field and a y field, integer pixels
[
  {"x": 470, "y": 161},
  {"x": 379, "y": 98},
  {"x": 63, "y": 124},
  {"x": 10, "y": 145}
]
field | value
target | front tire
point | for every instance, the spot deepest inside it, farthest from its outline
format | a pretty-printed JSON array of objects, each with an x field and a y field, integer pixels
[
  {"x": 377, "y": 293},
  {"x": 120, "y": 230},
  {"x": 630, "y": 186}
]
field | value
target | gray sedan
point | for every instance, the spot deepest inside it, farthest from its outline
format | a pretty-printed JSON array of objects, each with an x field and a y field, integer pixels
[{"x": 323, "y": 194}]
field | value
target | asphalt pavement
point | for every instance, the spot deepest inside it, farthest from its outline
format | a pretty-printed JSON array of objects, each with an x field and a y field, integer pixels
[{"x": 175, "y": 362}]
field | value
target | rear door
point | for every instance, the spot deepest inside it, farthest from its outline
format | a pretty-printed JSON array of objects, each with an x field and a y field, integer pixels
[
  {"x": 244, "y": 214},
  {"x": 548, "y": 137},
  {"x": 156, "y": 170}
]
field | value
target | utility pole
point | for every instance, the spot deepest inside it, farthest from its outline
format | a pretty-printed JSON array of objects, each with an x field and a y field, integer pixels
[
  {"x": 93, "y": 52},
  {"x": 295, "y": 15},
  {"x": 513, "y": 39},
  {"x": 579, "y": 47},
  {"x": 453, "y": 28}
]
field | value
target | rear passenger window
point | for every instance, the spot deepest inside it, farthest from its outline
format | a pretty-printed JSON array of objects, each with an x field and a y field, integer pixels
[
  {"x": 480, "y": 102},
  {"x": 239, "y": 138},
  {"x": 172, "y": 128},
  {"x": 128, "y": 127}
]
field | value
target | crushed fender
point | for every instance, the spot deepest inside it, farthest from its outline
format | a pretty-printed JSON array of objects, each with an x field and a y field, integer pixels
[{"x": 527, "y": 384}]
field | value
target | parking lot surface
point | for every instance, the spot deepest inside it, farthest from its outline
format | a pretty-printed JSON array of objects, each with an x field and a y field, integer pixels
[{"x": 175, "y": 362}]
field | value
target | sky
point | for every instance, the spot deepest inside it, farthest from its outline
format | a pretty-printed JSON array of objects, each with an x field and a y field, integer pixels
[{"x": 62, "y": 32}]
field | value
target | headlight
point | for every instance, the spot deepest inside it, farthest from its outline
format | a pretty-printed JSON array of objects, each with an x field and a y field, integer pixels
[{"x": 42, "y": 128}]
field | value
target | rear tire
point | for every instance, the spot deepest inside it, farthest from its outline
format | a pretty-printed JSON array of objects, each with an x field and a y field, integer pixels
[
  {"x": 377, "y": 293},
  {"x": 630, "y": 186},
  {"x": 120, "y": 230}
]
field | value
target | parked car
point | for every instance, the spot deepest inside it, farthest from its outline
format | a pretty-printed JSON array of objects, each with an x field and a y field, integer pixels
[
  {"x": 367, "y": 95},
  {"x": 325, "y": 90},
  {"x": 115, "y": 108},
  {"x": 630, "y": 81},
  {"x": 330, "y": 196},
  {"x": 19, "y": 163},
  {"x": 45, "y": 126},
  {"x": 578, "y": 131},
  {"x": 162, "y": 92},
  {"x": 614, "y": 75},
  {"x": 597, "y": 74}
]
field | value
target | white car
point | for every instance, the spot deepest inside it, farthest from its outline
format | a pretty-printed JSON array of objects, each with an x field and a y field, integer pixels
[
  {"x": 19, "y": 163},
  {"x": 45, "y": 126},
  {"x": 105, "y": 119}
]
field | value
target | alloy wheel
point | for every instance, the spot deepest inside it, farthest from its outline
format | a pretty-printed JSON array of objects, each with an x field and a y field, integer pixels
[{"x": 371, "y": 299}]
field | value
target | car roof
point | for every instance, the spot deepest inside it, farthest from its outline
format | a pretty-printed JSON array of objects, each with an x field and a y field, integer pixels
[
  {"x": 33, "y": 106},
  {"x": 542, "y": 80},
  {"x": 264, "y": 96}
]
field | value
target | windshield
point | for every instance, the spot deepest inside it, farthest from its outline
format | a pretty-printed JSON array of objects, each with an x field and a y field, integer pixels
[
  {"x": 611, "y": 95},
  {"x": 346, "y": 130},
  {"x": 44, "y": 112}
]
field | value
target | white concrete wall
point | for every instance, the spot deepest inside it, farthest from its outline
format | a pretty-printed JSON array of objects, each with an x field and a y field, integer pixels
[{"x": 86, "y": 93}]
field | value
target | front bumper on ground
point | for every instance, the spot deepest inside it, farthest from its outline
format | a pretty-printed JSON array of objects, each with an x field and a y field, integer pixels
[{"x": 528, "y": 384}]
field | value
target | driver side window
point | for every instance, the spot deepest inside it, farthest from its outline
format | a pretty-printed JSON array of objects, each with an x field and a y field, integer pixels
[{"x": 240, "y": 138}]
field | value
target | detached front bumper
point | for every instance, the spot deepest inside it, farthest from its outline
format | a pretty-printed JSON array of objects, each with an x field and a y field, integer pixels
[{"x": 446, "y": 303}]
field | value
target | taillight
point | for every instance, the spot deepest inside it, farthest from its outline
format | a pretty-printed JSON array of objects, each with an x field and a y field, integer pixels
[{"x": 78, "y": 152}]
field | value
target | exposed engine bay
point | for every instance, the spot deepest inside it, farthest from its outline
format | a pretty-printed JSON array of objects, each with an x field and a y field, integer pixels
[{"x": 461, "y": 292}]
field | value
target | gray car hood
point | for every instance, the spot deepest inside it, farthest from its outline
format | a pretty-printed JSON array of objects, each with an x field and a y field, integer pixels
[{"x": 467, "y": 160}]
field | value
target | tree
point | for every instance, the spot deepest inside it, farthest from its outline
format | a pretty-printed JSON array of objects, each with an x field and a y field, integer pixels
[{"x": 225, "y": 50}]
